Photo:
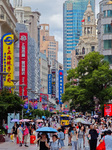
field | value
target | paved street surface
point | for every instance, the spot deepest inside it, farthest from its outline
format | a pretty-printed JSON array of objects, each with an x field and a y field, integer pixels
[{"x": 13, "y": 146}]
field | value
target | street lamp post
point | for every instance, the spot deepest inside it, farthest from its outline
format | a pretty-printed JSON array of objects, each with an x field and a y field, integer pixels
[
  {"x": 22, "y": 86},
  {"x": 3, "y": 74},
  {"x": 14, "y": 81},
  {"x": 28, "y": 89}
]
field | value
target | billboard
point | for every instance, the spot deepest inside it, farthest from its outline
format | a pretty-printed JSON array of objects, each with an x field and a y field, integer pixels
[
  {"x": 53, "y": 94},
  {"x": 23, "y": 62},
  {"x": 107, "y": 109},
  {"x": 7, "y": 58},
  {"x": 61, "y": 85},
  {"x": 49, "y": 83}
]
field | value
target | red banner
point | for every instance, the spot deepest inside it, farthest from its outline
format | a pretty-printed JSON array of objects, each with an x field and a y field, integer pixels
[
  {"x": 108, "y": 109},
  {"x": 23, "y": 62}
]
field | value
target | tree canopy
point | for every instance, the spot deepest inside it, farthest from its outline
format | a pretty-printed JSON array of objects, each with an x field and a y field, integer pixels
[
  {"x": 94, "y": 79},
  {"x": 9, "y": 103}
]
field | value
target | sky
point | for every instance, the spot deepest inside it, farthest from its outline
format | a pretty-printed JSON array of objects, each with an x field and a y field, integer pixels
[{"x": 52, "y": 14}]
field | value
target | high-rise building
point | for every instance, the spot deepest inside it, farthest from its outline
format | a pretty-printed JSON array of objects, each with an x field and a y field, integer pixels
[
  {"x": 48, "y": 45},
  {"x": 73, "y": 11},
  {"x": 105, "y": 30}
]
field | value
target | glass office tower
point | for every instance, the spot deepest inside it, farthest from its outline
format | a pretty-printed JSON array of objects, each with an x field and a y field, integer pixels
[{"x": 73, "y": 11}]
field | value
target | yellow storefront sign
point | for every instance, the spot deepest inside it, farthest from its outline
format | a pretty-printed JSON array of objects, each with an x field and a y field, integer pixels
[{"x": 8, "y": 59}]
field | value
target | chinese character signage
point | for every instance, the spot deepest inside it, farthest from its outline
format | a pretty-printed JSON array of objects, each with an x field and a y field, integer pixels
[
  {"x": 49, "y": 83},
  {"x": 8, "y": 58},
  {"x": 23, "y": 62},
  {"x": 61, "y": 85},
  {"x": 108, "y": 110},
  {"x": 53, "y": 94}
]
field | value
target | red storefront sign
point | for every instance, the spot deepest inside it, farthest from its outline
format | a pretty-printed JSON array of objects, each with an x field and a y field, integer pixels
[
  {"x": 108, "y": 109},
  {"x": 23, "y": 62}
]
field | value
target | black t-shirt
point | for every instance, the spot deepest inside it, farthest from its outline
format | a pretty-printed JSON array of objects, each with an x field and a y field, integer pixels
[
  {"x": 15, "y": 130},
  {"x": 93, "y": 134},
  {"x": 43, "y": 146},
  {"x": 63, "y": 128}
]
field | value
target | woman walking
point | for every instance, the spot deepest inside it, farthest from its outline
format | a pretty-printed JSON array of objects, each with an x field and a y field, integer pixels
[
  {"x": 81, "y": 138},
  {"x": 55, "y": 145},
  {"x": 43, "y": 142},
  {"x": 20, "y": 134},
  {"x": 74, "y": 138},
  {"x": 26, "y": 136}
]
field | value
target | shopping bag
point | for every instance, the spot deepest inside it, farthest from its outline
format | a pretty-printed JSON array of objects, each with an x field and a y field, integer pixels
[
  {"x": 12, "y": 137},
  {"x": 101, "y": 146}
]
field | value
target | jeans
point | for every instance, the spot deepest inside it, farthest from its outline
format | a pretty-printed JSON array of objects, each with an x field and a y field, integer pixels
[
  {"x": 74, "y": 145},
  {"x": 80, "y": 143}
]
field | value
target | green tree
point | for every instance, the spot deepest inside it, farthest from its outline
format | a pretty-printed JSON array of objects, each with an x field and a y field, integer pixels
[
  {"x": 94, "y": 80},
  {"x": 9, "y": 103}
]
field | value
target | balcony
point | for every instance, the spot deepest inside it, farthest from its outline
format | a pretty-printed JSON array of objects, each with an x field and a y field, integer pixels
[{"x": 80, "y": 55}]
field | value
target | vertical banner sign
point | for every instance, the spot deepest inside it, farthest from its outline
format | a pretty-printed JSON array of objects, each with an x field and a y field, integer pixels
[
  {"x": 49, "y": 83},
  {"x": 8, "y": 58},
  {"x": 108, "y": 110},
  {"x": 61, "y": 85},
  {"x": 23, "y": 62},
  {"x": 53, "y": 71}
]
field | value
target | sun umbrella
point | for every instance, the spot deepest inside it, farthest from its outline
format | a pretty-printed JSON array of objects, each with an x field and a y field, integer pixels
[
  {"x": 47, "y": 129},
  {"x": 79, "y": 120},
  {"x": 24, "y": 120},
  {"x": 39, "y": 120},
  {"x": 14, "y": 120}
]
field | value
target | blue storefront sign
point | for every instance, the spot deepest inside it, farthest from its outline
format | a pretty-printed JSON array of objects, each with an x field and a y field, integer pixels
[
  {"x": 49, "y": 83},
  {"x": 61, "y": 85}
]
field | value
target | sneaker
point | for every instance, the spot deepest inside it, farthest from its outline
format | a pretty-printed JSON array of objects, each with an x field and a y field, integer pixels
[{"x": 26, "y": 146}]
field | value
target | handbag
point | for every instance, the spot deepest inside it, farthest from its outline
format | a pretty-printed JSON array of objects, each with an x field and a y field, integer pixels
[
  {"x": 101, "y": 146},
  {"x": 26, "y": 132}
]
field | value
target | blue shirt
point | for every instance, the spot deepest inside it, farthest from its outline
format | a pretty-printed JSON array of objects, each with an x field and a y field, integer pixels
[{"x": 108, "y": 142}]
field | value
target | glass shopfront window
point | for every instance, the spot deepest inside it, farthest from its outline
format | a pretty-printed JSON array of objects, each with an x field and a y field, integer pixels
[
  {"x": 107, "y": 44},
  {"x": 107, "y": 28},
  {"x": 109, "y": 13}
]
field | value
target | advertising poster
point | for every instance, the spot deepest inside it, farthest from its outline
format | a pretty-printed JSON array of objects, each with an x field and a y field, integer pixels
[
  {"x": 108, "y": 110},
  {"x": 23, "y": 62},
  {"x": 61, "y": 85},
  {"x": 49, "y": 83},
  {"x": 53, "y": 72},
  {"x": 7, "y": 61},
  {"x": 11, "y": 116}
]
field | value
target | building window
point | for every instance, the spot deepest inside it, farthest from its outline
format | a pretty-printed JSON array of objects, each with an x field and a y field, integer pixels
[
  {"x": 43, "y": 38},
  {"x": 108, "y": 58},
  {"x": 88, "y": 30},
  {"x": 104, "y": 13},
  {"x": 107, "y": 28},
  {"x": 83, "y": 50},
  {"x": 45, "y": 52},
  {"x": 88, "y": 18},
  {"x": 107, "y": 44},
  {"x": 109, "y": 13},
  {"x": 92, "y": 48}
]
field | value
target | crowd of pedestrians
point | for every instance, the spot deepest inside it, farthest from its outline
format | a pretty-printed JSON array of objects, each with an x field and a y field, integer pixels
[{"x": 80, "y": 136}]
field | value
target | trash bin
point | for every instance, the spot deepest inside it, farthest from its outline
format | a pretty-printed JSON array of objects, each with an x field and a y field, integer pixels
[{"x": 32, "y": 139}]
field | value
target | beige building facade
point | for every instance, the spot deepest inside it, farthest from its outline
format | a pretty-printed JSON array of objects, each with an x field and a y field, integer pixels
[
  {"x": 48, "y": 44},
  {"x": 88, "y": 42},
  {"x": 7, "y": 19},
  {"x": 43, "y": 73},
  {"x": 31, "y": 19}
]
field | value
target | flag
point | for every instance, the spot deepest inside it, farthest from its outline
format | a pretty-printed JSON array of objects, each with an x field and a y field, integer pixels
[{"x": 83, "y": 20}]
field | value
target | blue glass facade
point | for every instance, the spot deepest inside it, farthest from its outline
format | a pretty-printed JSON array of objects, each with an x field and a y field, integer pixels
[{"x": 73, "y": 11}]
